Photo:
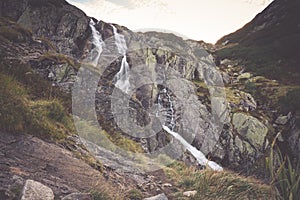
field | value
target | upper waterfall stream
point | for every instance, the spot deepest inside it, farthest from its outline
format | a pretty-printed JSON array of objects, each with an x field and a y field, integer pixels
[{"x": 122, "y": 77}]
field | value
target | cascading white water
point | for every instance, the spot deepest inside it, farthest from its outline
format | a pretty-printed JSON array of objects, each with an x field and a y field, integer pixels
[
  {"x": 202, "y": 160},
  {"x": 170, "y": 112},
  {"x": 122, "y": 77},
  {"x": 97, "y": 41},
  {"x": 169, "y": 127}
]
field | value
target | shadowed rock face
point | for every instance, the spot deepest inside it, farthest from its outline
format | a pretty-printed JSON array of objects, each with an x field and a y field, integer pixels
[{"x": 56, "y": 20}]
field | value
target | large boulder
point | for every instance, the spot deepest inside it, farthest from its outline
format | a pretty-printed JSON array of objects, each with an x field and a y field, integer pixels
[
  {"x": 250, "y": 129},
  {"x": 34, "y": 190}
]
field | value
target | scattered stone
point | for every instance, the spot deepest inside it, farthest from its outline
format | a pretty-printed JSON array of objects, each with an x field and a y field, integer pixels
[
  {"x": 244, "y": 76},
  {"x": 282, "y": 120},
  {"x": 247, "y": 101},
  {"x": 280, "y": 138},
  {"x": 78, "y": 196},
  {"x": 225, "y": 61},
  {"x": 167, "y": 185},
  {"x": 226, "y": 77},
  {"x": 190, "y": 193},
  {"x": 158, "y": 197},
  {"x": 18, "y": 180},
  {"x": 34, "y": 190}
]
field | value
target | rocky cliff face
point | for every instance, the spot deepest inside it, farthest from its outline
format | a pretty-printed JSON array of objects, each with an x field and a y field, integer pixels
[
  {"x": 226, "y": 111},
  {"x": 66, "y": 30}
]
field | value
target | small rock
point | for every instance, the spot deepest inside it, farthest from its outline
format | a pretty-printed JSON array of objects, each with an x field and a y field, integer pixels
[
  {"x": 244, "y": 76},
  {"x": 34, "y": 190},
  {"x": 280, "y": 138},
  {"x": 78, "y": 196},
  {"x": 18, "y": 180},
  {"x": 282, "y": 120},
  {"x": 225, "y": 61},
  {"x": 190, "y": 193},
  {"x": 251, "y": 129},
  {"x": 247, "y": 102},
  {"x": 167, "y": 185},
  {"x": 158, "y": 197},
  {"x": 226, "y": 77}
]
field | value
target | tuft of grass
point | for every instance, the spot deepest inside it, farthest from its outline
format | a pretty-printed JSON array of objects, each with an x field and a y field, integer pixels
[
  {"x": 59, "y": 58},
  {"x": 12, "y": 32},
  {"x": 217, "y": 185},
  {"x": 100, "y": 195},
  {"x": 12, "y": 104},
  {"x": 285, "y": 175},
  {"x": 135, "y": 194}
]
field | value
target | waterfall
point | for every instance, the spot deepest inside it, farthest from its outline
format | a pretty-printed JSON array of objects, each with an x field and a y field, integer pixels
[
  {"x": 202, "y": 160},
  {"x": 170, "y": 112},
  {"x": 122, "y": 77},
  {"x": 170, "y": 125},
  {"x": 97, "y": 45}
]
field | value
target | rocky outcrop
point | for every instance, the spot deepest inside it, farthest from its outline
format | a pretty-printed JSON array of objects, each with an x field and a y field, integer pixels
[
  {"x": 57, "y": 21},
  {"x": 34, "y": 190},
  {"x": 250, "y": 129},
  {"x": 26, "y": 157}
]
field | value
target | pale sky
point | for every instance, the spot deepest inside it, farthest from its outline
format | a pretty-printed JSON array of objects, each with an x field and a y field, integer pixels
[{"x": 206, "y": 20}]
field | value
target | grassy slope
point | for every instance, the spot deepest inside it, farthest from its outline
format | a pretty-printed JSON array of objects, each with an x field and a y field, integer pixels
[{"x": 272, "y": 51}]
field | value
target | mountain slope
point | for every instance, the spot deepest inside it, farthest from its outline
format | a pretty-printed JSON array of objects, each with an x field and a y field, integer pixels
[
  {"x": 269, "y": 43},
  {"x": 45, "y": 44}
]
